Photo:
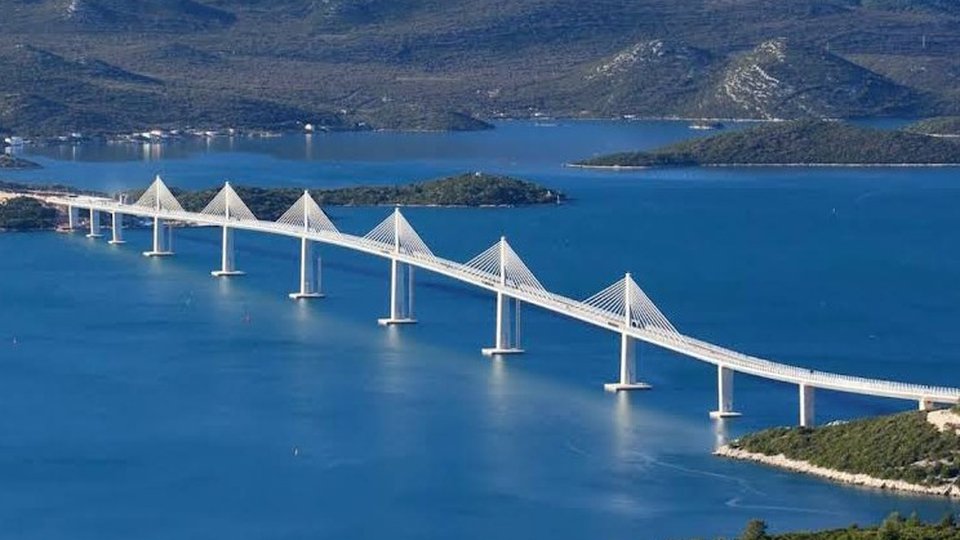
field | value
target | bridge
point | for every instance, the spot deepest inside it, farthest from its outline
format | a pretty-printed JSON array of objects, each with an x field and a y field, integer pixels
[{"x": 623, "y": 307}]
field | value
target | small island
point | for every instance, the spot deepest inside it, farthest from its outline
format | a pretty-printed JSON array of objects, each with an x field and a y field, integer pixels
[
  {"x": 22, "y": 210},
  {"x": 472, "y": 189},
  {"x": 917, "y": 452},
  {"x": 803, "y": 143},
  {"x": 10, "y": 162},
  {"x": 940, "y": 126}
]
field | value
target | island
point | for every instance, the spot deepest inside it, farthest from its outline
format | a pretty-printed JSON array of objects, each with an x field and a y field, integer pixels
[
  {"x": 22, "y": 210},
  {"x": 804, "y": 142},
  {"x": 940, "y": 126},
  {"x": 472, "y": 189},
  {"x": 11, "y": 162},
  {"x": 917, "y": 451},
  {"x": 894, "y": 527}
]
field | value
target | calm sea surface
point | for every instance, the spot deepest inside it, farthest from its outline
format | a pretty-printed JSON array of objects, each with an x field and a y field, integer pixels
[{"x": 144, "y": 399}]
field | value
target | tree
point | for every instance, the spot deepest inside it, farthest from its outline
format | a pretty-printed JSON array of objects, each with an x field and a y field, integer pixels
[
  {"x": 948, "y": 521},
  {"x": 756, "y": 530}
]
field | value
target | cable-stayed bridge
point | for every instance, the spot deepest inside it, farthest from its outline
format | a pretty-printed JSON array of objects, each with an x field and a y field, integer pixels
[{"x": 623, "y": 307}]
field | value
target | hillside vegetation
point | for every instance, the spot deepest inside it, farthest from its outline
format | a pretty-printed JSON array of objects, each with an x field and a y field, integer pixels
[
  {"x": 894, "y": 527},
  {"x": 107, "y": 65},
  {"x": 464, "y": 190},
  {"x": 26, "y": 214},
  {"x": 896, "y": 447},
  {"x": 943, "y": 126},
  {"x": 798, "y": 142}
]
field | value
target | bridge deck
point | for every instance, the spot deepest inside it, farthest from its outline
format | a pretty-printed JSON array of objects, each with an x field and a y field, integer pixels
[{"x": 550, "y": 301}]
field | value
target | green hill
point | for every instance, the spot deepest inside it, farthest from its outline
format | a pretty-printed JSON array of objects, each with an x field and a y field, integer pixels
[
  {"x": 357, "y": 64},
  {"x": 798, "y": 142},
  {"x": 896, "y": 447}
]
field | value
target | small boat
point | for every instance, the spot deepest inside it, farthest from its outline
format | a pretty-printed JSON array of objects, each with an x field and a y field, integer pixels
[{"x": 705, "y": 125}]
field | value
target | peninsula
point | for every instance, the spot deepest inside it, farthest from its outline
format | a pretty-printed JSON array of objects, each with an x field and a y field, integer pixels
[
  {"x": 803, "y": 143},
  {"x": 917, "y": 452},
  {"x": 941, "y": 126},
  {"x": 10, "y": 162}
]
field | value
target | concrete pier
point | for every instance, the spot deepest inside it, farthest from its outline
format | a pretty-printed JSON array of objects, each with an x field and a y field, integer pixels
[
  {"x": 73, "y": 217},
  {"x": 116, "y": 227},
  {"x": 228, "y": 266},
  {"x": 310, "y": 273},
  {"x": 806, "y": 405},
  {"x": 94, "y": 224},
  {"x": 628, "y": 368},
  {"x": 162, "y": 239},
  {"x": 401, "y": 295},
  {"x": 724, "y": 394},
  {"x": 507, "y": 332}
]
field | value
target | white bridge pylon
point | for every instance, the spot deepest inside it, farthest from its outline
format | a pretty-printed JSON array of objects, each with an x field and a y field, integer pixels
[
  {"x": 626, "y": 301},
  {"x": 623, "y": 307},
  {"x": 306, "y": 215},
  {"x": 228, "y": 206},
  {"x": 395, "y": 236},
  {"x": 158, "y": 198},
  {"x": 500, "y": 264}
]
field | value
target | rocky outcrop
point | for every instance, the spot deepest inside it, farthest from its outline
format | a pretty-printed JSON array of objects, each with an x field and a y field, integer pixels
[
  {"x": 783, "y": 462},
  {"x": 779, "y": 79}
]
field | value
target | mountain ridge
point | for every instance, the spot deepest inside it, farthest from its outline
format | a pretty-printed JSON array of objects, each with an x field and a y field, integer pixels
[{"x": 352, "y": 62}]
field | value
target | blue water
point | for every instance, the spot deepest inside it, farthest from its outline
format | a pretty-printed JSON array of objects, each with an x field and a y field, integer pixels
[{"x": 144, "y": 399}]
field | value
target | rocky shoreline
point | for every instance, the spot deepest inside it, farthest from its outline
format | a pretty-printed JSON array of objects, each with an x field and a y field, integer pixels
[{"x": 944, "y": 490}]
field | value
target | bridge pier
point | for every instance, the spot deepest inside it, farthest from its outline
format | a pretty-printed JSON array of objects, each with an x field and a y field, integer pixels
[
  {"x": 925, "y": 404},
  {"x": 310, "y": 272},
  {"x": 162, "y": 239},
  {"x": 806, "y": 405},
  {"x": 94, "y": 224},
  {"x": 724, "y": 394},
  {"x": 507, "y": 338},
  {"x": 73, "y": 217},
  {"x": 401, "y": 295},
  {"x": 116, "y": 226},
  {"x": 628, "y": 368},
  {"x": 228, "y": 265}
]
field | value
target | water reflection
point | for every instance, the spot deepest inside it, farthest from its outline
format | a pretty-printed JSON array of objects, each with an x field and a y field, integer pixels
[{"x": 721, "y": 432}]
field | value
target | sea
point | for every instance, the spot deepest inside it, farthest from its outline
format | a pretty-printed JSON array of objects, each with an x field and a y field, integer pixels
[{"x": 143, "y": 398}]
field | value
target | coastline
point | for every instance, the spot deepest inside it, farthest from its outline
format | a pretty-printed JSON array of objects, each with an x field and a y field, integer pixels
[
  {"x": 759, "y": 165},
  {"x": 951, "y": 491}
]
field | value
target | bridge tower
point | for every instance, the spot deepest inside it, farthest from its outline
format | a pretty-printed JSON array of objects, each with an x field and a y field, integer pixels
[
  {"x": 228, "y": 205},
  {"x": 94, "y": 224},
  {"x": 628, "y": 347},
  {"x": 306, "y": 216},
  {"x": 507, "y": 332},
  {"x": 401, "y": 278},
  {"x": 158, "y": 198}
]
